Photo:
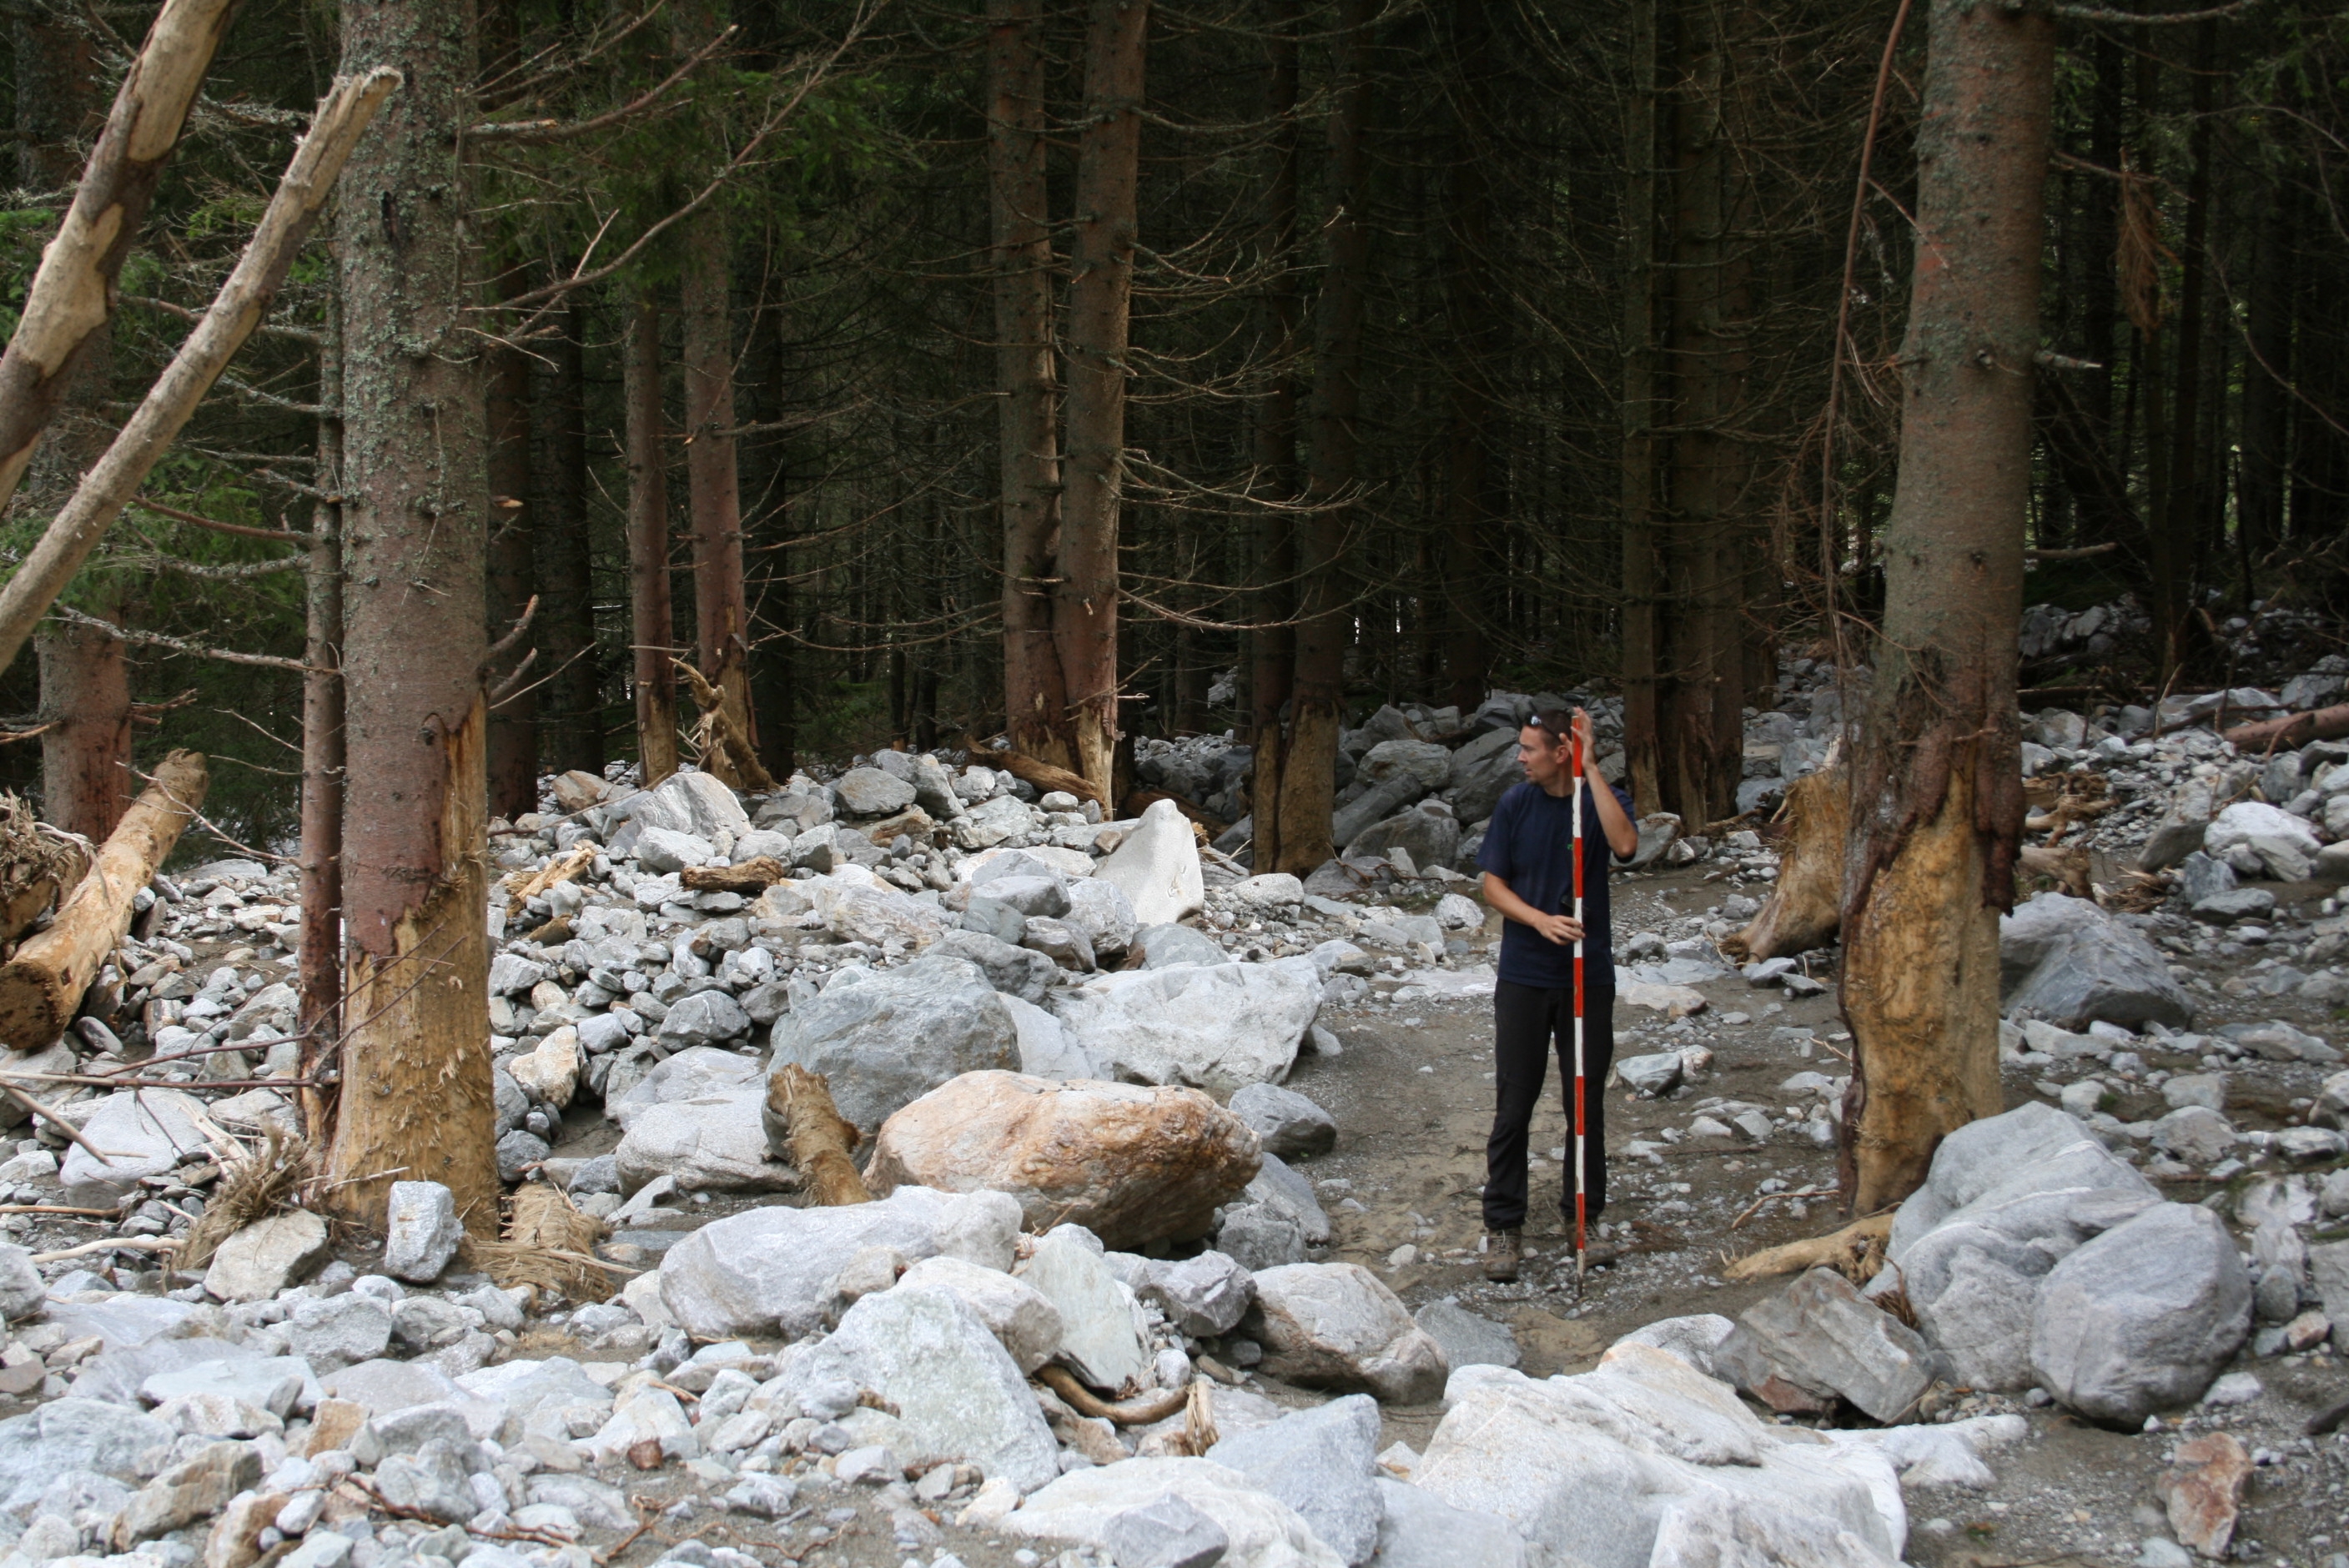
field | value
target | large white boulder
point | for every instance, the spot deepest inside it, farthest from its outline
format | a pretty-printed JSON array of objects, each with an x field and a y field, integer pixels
[
  {"x": 2143, "y": 1317},
  {"x": 1217, "y": 1026},
  {"x": 1646, "y": 1461},
  {"x": 1259, "y": 1531},
  {"x": 1157, "y": 867},
  {"x": 768, "y": 1272},
  {"x": 2284, "y": 845}
]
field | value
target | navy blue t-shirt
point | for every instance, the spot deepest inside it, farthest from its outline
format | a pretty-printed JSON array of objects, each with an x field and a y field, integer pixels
[{"x": 1529, "y": 845}]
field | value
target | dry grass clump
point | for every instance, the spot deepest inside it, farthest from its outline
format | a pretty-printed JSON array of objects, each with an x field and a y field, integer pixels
[
  {"x": 256, "y": 1181},
  {"x": 550, "y": 1246}
]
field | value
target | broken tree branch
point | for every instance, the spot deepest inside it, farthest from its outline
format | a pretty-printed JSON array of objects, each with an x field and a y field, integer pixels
[
  {"x": 177, "y": 645},
  {"x": 114, "y": 481},
  {"x": 71, "y": 295}
]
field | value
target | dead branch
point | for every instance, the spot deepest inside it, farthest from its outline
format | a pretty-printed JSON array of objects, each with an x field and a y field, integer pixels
[
  {"x": 71, "y": 295},
  {"x": 242, "y": 530},
  {"x": 1128, "y": 1413},
  {"x": 539, "y": 132},
  {"x": 235, "y": 311},
  {"x": 1794, "y": 1257},
  {"x": 177, "y": 645},
  {"x": 523, "y": 889},
  {"x": 53, "y": 1119}
]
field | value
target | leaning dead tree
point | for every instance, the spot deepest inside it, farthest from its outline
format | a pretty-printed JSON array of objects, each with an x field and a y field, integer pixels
[
  {"x": 72, "y": 296},
  {"x": 1937, "y": 783},
  {"x": 42, "y": 981},
  {"x": 242, "y": 301}
]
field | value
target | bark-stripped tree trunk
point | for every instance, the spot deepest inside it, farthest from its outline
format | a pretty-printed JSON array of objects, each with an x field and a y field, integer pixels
[
  {"x": 1642, "y": 743},
  {"x": 1702, "y": 698},
  {"x": 71, "y": 297},
  {"x": 1101, "y": 295},
  {"x": 1937, "y": 784},
  {"x": 513, "y": 580},
  {"x": 573, "y": 708},
  {"x": 1273, "y": 646},
  {"x": 1035, "y": 702},
  {"x": 721, "y": 615},
  {"x": 321, "y": 965},
  {"x": 651, "y": 634},
  {"x": 416, "y": 1101},
  {"x": 1476, "y": 312},
  {"x": 1309, "y": 779}
]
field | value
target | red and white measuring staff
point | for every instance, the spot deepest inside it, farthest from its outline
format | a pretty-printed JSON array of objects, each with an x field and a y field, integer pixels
[{"x": 1574, "y": 783}]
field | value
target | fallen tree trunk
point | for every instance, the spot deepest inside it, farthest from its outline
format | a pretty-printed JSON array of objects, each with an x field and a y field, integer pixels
[
  {"x": 805, "y": 1127},
  {"x": 2290, "y": 732},
  {"x": 38, "y": 866},
  {"x": 1806, "y": 904},
  {"x": 42, "y": 984},
  {"x": 1041, "y": 774}
]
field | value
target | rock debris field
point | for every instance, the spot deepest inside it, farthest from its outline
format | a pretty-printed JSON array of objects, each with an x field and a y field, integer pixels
[{"x": 1172, "y": 1253}]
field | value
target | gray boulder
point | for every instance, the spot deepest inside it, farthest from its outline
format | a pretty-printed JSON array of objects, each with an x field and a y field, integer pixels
[
  {"x": 2005, "y": 1200},
  {"x": 2143, "y": 1317},
  {"x": 2180, "y": 831},
  {"x": 1099, "y": 1338},
  {"x": 66, "y": 1435},
  {"x": 2196, "y": 1134},
  {"x": 1430, "y": 836},
  {"x": 1103, "y": 911},
  {"x": 1204, "y": 1295},
  {"x": 704, "y": 1018},
  {"x": 1260, "y": 1236},
  {"x": 1423, "y": 760},
  {"x": 1819, "y": 1335},
  {"x": 1321, "y": 1463},
  {"x": 2070, "y": 963},
  {"x": 1483, "y": 771},
  {"x": 884, "y": 1039},
  {"x": 694, "y": 1073},
  {"x": 2237, "y": 903},
  {"x": 1166, "y": 1532},
  {"x": 1337, "y": 1325},
  {"x": 1215, "y": 1027},
  {"x": 267, "y": 1255},
  {"x": 2200, "y": 877},
  {"x": 1381, "y": 801},
  {"x": 1014, "y": 971},
  {"x": 1044, "y": 895},
  {"x": 1421, "y": 1529},
  {"x": 22, "y": 1288},
  {"x": 1278, "y": 1186},
  {"x": 955, "y": 1391},
  {"x": 1163, "y": 945},
  {"x": 1158, "y": 866},
  {"x": 145, "y": 1132},
  {"x": 1467, "y": 1338},
  {"x": 870, "y": 792},
  {"x": 1656, "y": 1074},
  {"x": 662, "y": 849},
  {"x": 768, "y": 1272},
  {"x": 1289, "y": 1125}
]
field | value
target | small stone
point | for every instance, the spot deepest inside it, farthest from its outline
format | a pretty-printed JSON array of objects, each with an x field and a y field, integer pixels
[
  {"x": 1166, "y": 1533},
  {"x": 1288, "y": 1124},
  {"x": 421, "y": 1231},
  {"x": 2204, "y": 1491},
  {"x": 266, "y": 1257}
]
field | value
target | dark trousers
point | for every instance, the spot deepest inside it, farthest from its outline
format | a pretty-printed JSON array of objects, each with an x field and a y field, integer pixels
[{"x": 1527, "y": 1020}]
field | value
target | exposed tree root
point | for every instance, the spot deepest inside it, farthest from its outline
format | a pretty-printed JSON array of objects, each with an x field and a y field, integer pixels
[
  {"x": 1127, "y": 1413},
  {"x": 805, "y": 1127},
  {"x": 1842, "y": 1250}
]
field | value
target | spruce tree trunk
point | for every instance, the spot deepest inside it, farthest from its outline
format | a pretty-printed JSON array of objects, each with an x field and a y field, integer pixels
[
  {"x": 573, "y": 709},
  {"x": 1476, "y": 312},
  {"x": 416, "y": 1101},
  {"x": 1702, "y": 698},
  {"x": 1273, "y": 645},
  {"x": 1035, "y": 701},
  {"x": 1937, "y": 783},
  {"x": 513, "y": 578},
  {"x": 1643, "y": 741},
  {"x": 721, "y": 615},
  {"x": 651, "y": 633},
  {"x": 1100, "y": 292},
  {"x": 1309, "y": 778},
  {"x": 2268, "y": 343}
]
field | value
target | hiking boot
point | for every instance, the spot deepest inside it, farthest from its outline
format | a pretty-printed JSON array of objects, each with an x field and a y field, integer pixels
[{"x": 1502, "y": 1249}]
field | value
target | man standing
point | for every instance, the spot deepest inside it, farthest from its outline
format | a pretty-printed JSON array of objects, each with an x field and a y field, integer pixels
[{"x": 1529, "y": 863}]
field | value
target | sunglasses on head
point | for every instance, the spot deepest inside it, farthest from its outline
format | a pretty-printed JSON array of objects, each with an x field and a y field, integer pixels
[{"x": 1560, "y": 725}]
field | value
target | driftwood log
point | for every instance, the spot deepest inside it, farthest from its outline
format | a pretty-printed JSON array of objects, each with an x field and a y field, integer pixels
[
  {"x": 750, "y": 879},
  {"x": 42, "y": 983},
  {"x": 1036, "y": 771},
  {"x": 521, "y": 888},
  {"x": 805, "y": 1127},
  {"x": 1847, "y": 1249},
  {"x": 2292, "y": 731},
  {"x": 38, "y": 865},
  {"x": 1806, "y": 905}
]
